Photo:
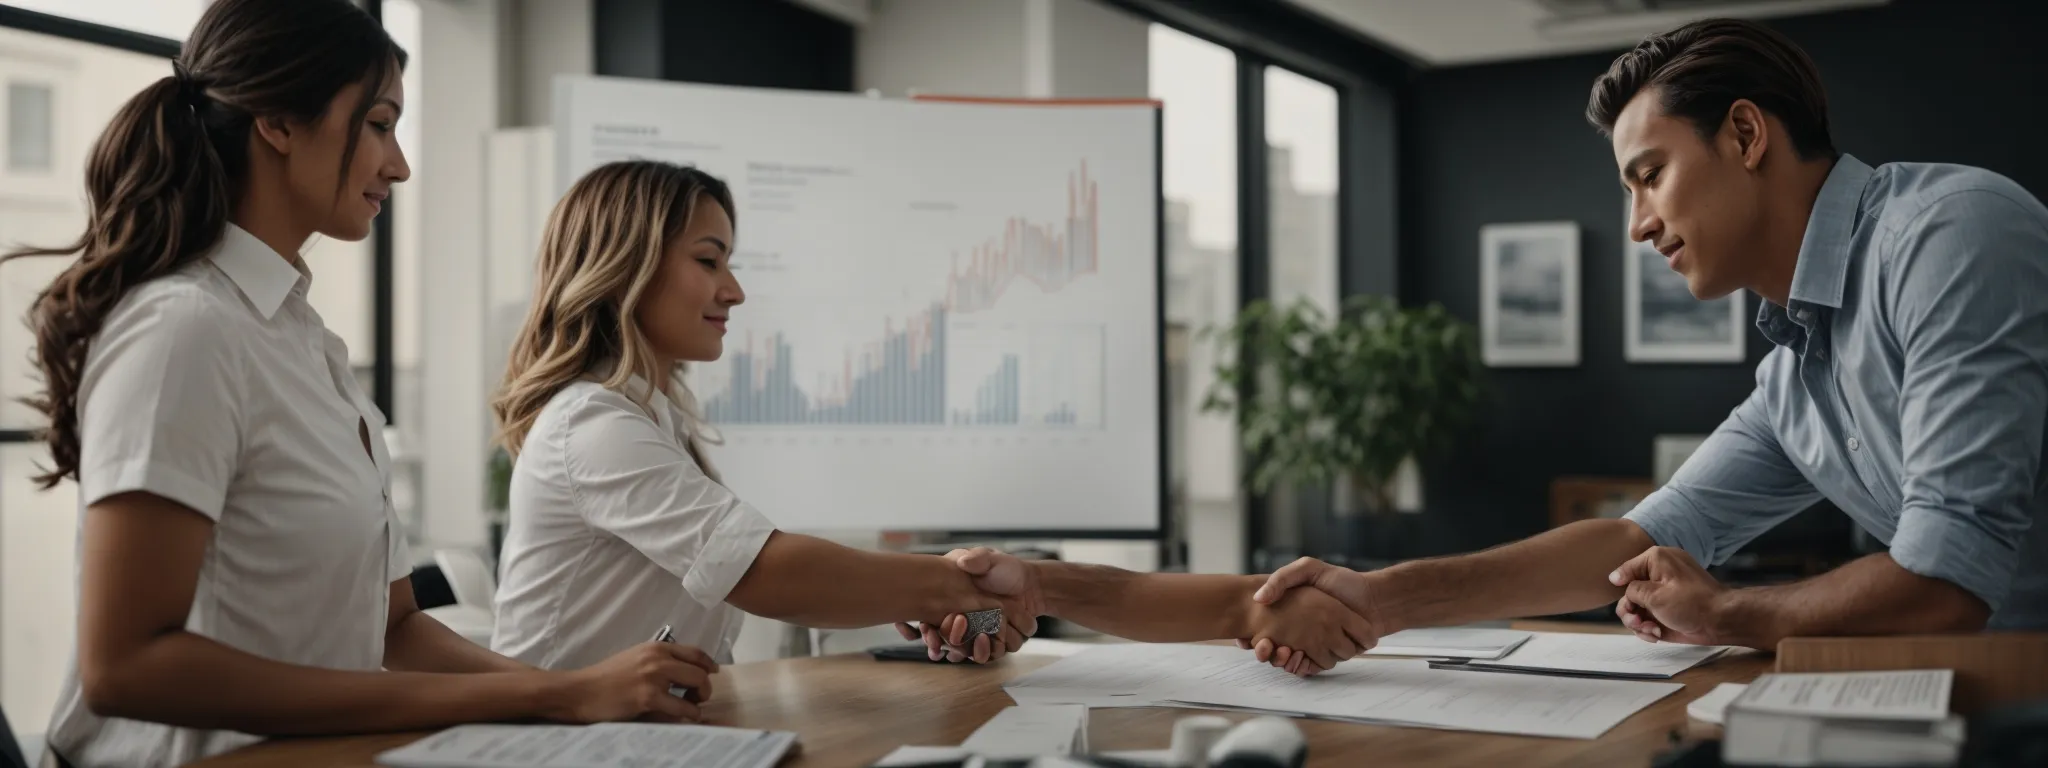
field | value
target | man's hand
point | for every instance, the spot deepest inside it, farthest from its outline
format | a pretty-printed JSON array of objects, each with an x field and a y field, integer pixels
[
  {"x": 1316, "y": 631},
  {"x": 1670, "y": 597},
  {"x": 998, "y": 574},
  {"x": 1347, "y": 586}
]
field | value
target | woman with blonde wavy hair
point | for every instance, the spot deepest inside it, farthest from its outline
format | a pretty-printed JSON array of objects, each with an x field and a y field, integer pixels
[{"x": 619, "y": 524}]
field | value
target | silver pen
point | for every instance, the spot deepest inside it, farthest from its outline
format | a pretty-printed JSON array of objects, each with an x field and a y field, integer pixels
[{"x": 667, "y": 634}]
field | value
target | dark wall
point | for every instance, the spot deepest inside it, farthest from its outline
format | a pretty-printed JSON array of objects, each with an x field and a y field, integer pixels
[
  {"x": 1962, "y": 81},
  {"x": 757, "y": 43}
]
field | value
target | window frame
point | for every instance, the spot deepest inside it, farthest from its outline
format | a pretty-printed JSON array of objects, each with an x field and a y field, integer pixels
[{"x": 1370, "y": 82}]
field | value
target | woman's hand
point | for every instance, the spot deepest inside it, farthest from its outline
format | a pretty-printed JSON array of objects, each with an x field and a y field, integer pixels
[
  {"x": 1307, "y": 631},
  {"x": 633, "y": 685}
]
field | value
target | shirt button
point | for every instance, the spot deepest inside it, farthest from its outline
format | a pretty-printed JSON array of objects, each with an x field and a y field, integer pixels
[{"x": 1854, "y": 445}]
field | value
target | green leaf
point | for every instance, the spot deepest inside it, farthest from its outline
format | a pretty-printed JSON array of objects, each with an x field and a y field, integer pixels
[{"x": 1351, "y": 393}]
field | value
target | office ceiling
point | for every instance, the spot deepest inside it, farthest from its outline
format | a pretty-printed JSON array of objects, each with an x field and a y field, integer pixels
[{"x": 1449, "y": 32}]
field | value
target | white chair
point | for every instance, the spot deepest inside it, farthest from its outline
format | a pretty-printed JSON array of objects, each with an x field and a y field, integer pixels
[{"x": 469, "y": 576}]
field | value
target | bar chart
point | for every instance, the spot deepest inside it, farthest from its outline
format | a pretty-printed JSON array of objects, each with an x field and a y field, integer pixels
[
  {"x": 909, "y": 372},
  {"x": 898, "y": 380},
  {"x": 1029, "y": 252},
  {"x": 946, "y": 302},
  {"x": 1027, "y": 375}
]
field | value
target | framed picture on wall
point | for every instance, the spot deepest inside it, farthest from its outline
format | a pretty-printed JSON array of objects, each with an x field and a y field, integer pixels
[
  {"x": 1529, "y": 294},
  {"x": 1665, "y": 324}
]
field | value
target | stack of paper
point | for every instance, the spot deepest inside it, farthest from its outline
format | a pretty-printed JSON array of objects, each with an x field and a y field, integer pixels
[
  {"x": 1385, "y": 691},
  {"x": 1451, "y": 642},
  {"x": 1599, "y": 655},
  {"x": 1845, "y": 718}
]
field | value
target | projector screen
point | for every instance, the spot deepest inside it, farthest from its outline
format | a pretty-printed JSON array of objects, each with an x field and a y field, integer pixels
[{"x": 952, "y": 315}]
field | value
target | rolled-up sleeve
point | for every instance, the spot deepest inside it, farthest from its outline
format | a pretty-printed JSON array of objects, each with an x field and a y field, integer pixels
[
  {"x": 160, "y": 405},
  {"x": 1969, "y": 307},
  {"x": 634, "y": 480},
  {"x": 1734, "y": 488}
]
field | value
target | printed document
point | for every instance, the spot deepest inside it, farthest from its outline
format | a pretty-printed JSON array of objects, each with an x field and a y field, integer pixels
[
  {"x": 1918, "y": 694},
  {"x": 608, "y": 745},
  {"x": 1605, "y": 655},
  {"x": 1409, "y": 692}
]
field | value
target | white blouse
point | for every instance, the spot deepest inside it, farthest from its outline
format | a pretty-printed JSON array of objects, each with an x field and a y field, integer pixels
[
  {"x": 219, "y": 388},
  {"x": 615, "y": 530}
]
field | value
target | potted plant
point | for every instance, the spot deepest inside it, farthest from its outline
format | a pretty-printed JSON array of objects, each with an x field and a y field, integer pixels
[{"x": 1347, "y": 399}]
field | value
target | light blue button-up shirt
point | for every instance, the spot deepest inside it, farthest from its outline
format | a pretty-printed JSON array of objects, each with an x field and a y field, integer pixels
[{"x": 1909, "y": 386}]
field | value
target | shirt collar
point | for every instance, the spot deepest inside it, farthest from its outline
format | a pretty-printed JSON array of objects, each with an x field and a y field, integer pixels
[
  {"x": 1823, "y": 264},
  {"x": 263, "y": 276},
  {"x": 664, "y": 408}
]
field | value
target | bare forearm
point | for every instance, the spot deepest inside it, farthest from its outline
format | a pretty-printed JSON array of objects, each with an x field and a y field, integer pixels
[
  {"x": 816, "y": 583},
  {"x": 251, "y": 694},
  {"x": 1148, "y": 607},
  {"x": 420, "y": 643},
  {"x": 1871, "y": 596},
  {"x": 1557, "y": 571}
]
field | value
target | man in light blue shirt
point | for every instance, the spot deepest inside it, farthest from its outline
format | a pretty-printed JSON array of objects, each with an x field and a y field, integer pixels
[{"x": 1909, "y": 384}]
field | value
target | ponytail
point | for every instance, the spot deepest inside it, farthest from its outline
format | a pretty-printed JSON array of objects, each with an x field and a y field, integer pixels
[{"x": 159, "y": 198}]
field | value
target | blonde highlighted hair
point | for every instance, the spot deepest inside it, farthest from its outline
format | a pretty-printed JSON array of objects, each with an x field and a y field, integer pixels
[{"x": 602, "y": 248}]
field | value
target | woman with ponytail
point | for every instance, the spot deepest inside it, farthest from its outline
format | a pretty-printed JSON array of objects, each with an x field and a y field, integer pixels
[{"x": 241, "y": 573}]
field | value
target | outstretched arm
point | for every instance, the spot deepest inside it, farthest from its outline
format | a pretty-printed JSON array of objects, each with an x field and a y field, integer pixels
[{"x": 1167, "y": 607}]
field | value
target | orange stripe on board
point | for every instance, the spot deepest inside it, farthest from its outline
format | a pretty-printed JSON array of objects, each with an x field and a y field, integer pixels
[{"x": 1104, "y": 102}]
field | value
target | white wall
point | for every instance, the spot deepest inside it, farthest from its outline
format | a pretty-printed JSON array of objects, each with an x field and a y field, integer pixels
[
  {"x": 38, "y": 529},
  {"x": 460, "y": 105},
  {"x": 958, "y": 47},
  {"x": 1005, "y": 48},
  {"x": 548, "y": 38}
]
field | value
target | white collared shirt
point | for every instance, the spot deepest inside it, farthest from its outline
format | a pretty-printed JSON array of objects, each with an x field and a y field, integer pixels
[
  {"x": 616, "y": 530},
  {"x": 218, "y": 387}
]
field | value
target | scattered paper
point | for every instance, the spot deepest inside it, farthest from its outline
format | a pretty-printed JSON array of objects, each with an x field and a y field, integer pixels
[
  {"x": 1610, "y": 655},
  {"x": 607, "y": 745},
  {"x": 910, "y": 757},
  {"x": 1030, "y": 730},
  {"x": 1111, "y": 676},
  {"x": 1713, "y": 707},
  {"x": 1455, "y": 642},
  {"x": 1920, "y": 694},
  {"x": 1409, "y": 692}
]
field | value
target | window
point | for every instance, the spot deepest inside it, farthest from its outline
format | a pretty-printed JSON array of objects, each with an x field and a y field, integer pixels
[
  {"x": 1197, "y": 81},
  {"x": 29, "y": 139},
  {"x": 60, "y": 94},
  {"x": 1301, "y": 139}
]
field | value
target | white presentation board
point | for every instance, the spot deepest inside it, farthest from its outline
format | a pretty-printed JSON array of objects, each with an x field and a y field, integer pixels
[{"x": 952, "y": 313}]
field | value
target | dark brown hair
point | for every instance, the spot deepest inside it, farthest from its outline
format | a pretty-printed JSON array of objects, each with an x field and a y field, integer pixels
[
  {"x": 1700, "y": 69},
  {"x": 164, "y": 176}
]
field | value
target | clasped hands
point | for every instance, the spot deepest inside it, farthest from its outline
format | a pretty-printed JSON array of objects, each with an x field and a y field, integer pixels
[{"x": 1667, "y": 597}]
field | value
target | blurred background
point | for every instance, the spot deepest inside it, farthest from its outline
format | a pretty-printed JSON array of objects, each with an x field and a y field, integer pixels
[{"x": 1328, "y": 167}]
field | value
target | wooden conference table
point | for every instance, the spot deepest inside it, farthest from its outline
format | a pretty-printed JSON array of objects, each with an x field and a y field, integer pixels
[{"x": 849, "y": 710}]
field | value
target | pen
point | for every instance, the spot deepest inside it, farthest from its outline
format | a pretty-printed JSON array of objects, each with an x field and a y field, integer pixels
[{"x": 667, "y": 635}]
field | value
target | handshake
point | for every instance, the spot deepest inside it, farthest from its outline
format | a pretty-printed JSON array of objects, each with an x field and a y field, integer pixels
[{"x": 1304, "y": 631}]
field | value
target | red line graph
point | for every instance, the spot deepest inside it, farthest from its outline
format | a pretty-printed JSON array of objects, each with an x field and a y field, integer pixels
[{"x": 1047, "y": 255}]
